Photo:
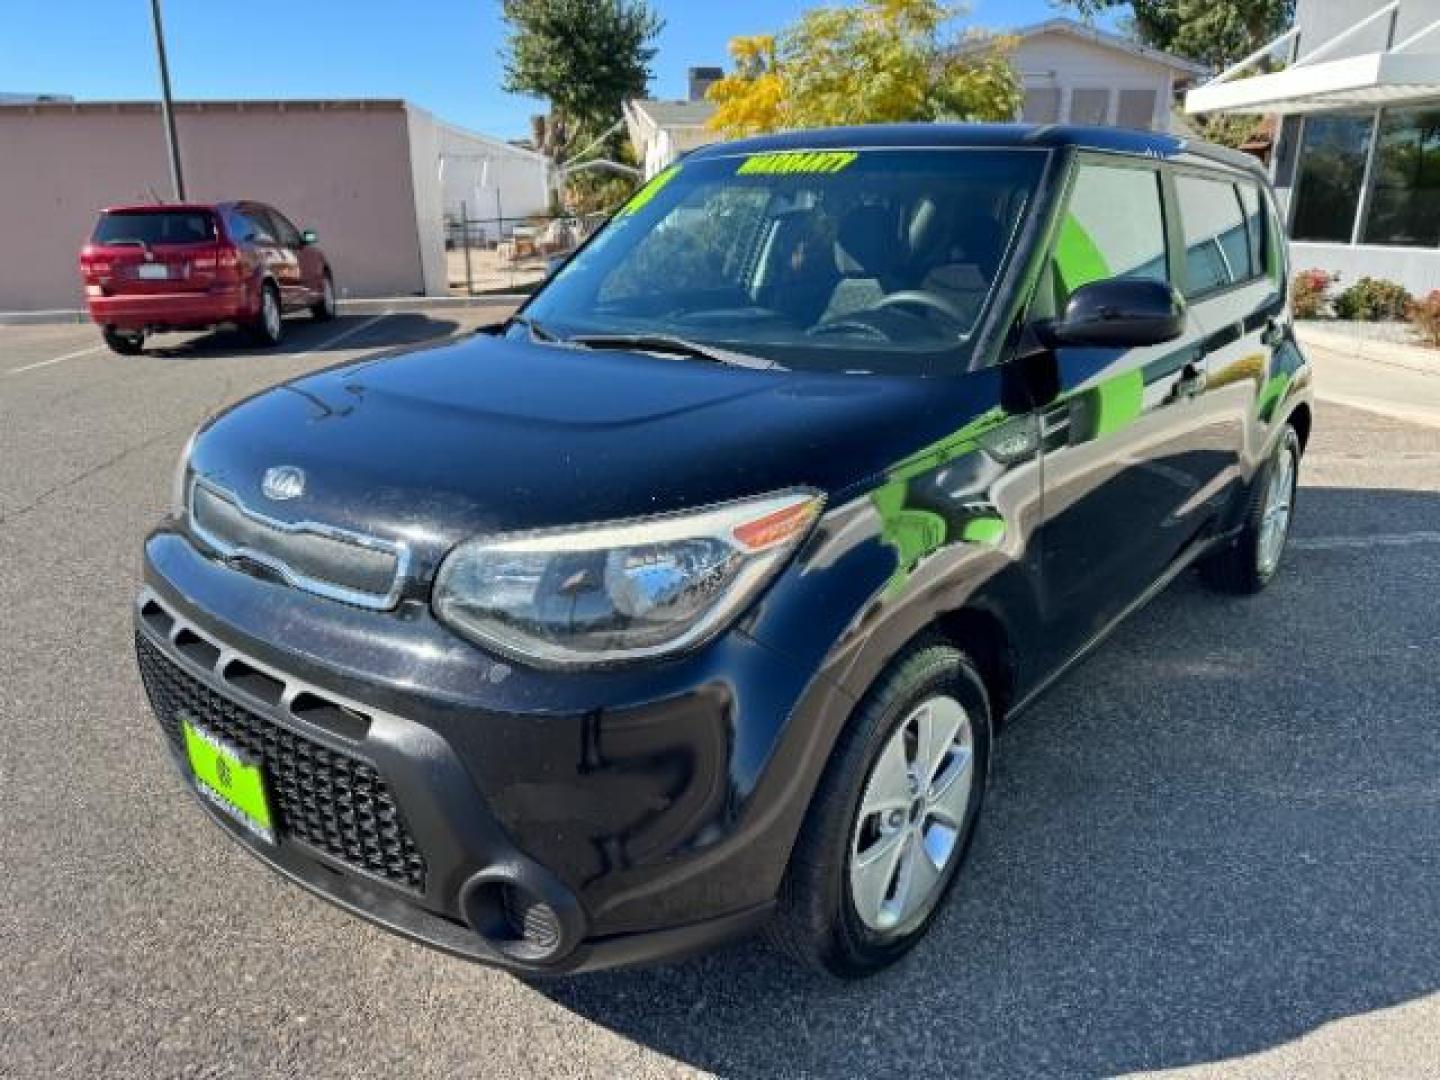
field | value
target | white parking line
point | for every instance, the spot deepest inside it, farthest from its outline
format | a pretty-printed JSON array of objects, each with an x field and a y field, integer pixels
[
  {"x": 55, "y": 360},
  {"x": 1338, "y": 543},
  {"x": 346, "y": 333}
]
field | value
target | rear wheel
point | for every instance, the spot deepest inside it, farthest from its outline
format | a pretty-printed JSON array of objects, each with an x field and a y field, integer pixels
[
  {"x": 1249, "y": 563},
  {"x": 268, "y": 327},
  {"x": 323, "y": 310},
  {"x": 892, "y": 819},
  {"x": 124, "y": 342}
]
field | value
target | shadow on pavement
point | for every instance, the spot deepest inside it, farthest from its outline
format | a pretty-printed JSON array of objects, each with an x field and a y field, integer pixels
[
  {"x": 346, "y": 333},
  {"x": 1218, "y": 834}
]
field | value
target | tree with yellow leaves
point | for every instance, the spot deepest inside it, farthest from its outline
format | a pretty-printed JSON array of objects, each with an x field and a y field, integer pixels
[{"x": 880, "y": 61}]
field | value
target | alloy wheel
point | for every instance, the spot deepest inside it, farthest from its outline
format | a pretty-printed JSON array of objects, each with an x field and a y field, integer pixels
[
  {"x": 270, "y": 312},
  {"x": 912, "y": 815},
  {"x": 1275, "y": 516}
]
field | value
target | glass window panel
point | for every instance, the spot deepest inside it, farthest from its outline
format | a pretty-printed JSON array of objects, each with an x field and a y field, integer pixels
[
  {"x": 1405, "y": 199},
  {"x": 1217, "y": 252},
  {"x": 1098, "y": 242},
  {"x": 1330, "y": 171},
  {"x": 1042, "y": 105},
  {"x": 1254, "y": 209},
  {"x": 1090, "y": 106},
  {"x": 1137, "y": 109}
]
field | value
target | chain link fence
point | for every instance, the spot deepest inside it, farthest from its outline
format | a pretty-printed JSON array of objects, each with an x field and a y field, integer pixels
[{"x": 509, "y": 254}]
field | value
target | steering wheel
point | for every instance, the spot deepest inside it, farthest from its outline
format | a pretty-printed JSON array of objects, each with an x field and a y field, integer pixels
[
  {"x": 921, "y": 298},
  {"x": 848, "y": 326}
]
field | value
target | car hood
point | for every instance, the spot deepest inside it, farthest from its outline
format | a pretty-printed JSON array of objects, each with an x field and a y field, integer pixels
[{"x": 490, "y": 435}]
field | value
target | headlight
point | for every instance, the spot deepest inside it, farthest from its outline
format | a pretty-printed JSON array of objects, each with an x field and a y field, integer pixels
[
  {"x": 180, "y": 483},
  {"x": 622, "y": 591}
]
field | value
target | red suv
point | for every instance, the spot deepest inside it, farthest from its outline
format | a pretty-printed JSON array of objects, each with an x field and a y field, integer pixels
[{"x": 189, "y": 267}]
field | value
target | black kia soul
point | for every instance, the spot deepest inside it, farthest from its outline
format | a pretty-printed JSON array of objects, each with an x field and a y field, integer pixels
[{"x": 690, "y": 601}]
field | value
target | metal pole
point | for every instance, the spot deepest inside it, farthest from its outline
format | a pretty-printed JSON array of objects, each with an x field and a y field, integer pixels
[
  {"x": 465, "y": 239},
  {"x": 177, "y": 178}
]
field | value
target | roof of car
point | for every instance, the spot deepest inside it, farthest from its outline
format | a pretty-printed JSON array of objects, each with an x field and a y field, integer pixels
[
  {"x": 927, "y": 136},
  {"x": 139, "y": 208}
]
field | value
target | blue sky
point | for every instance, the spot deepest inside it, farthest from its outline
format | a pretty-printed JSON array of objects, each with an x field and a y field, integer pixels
[{"x": 440, "y": 54}]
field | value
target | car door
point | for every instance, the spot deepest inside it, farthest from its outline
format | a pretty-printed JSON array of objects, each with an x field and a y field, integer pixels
[
  {"x": 1120, "y": 492},
  {"x": 310, "y": 263},
  {"x": 1235, "y": 287},
  {"x": 283, "y": 255}
]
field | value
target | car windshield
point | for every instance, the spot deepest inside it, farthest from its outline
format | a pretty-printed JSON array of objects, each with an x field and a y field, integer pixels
[
  {"x": 866, "y": 260},
  {"x": 150, "y": 227}
]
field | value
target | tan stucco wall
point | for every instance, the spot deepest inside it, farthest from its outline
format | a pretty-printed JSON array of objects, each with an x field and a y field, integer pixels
[{"x": 343, "y": 170}]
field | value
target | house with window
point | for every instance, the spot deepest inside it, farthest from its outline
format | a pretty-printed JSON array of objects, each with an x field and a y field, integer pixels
[
  {"x": 1078, "y": 74},
  {"x": 1356, "y": 85}
]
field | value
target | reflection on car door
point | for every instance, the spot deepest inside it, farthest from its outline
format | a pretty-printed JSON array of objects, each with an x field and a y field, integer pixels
[
  {"x": 283, "y": 256},
  {"x": 1120, "y": 483},
  {"x": 1235, "y": 284}
]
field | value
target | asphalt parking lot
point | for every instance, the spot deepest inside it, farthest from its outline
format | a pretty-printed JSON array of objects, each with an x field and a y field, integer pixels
[{"x": 1215, "y": 848}]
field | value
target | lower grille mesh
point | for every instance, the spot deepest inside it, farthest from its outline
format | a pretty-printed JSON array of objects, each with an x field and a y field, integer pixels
[{"x": 328, "y": 799}]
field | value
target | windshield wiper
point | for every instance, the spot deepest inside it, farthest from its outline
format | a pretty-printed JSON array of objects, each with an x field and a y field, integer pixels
[
  {"x": 667, "y": 345},
  {"x": 537, "y": 332}
]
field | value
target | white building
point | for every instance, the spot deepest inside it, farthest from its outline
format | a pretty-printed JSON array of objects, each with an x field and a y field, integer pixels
[
  {"x": 492, "y": 179},
  {"x": 1357, "y": 158},
  {"x": 1076, "y": 74}
]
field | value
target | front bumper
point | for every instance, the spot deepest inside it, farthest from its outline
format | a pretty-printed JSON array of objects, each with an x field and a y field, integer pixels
[{"x": 652, "y": 812}]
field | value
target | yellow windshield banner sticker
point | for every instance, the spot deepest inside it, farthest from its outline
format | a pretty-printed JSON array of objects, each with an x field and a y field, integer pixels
[
  {"x": 798, "y": 161},
  {"x": 649, "y": 191}
]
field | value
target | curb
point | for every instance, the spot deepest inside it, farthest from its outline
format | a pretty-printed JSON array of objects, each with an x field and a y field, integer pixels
[
  {"x": 358, "y": 305},
  {"x": 1351, "y": 343}
]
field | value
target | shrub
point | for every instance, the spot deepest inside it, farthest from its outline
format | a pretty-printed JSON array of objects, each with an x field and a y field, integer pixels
[
  {"x": 1373, "y": 300},
  {"x": 1308, "y": 294},
  {"x": 1425, "y": 314}
]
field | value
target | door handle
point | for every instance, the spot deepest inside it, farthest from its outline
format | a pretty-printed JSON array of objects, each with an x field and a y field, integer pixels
[
  {"x": 1273, "y": 334},
  {"x": 1192, "y": 381}
]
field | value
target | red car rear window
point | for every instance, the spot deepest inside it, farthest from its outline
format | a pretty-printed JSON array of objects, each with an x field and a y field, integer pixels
[{"x": 150, "y": 227}]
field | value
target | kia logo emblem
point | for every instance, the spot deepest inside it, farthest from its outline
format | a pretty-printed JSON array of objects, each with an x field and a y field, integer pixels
[{"x": 283, "y": 482}]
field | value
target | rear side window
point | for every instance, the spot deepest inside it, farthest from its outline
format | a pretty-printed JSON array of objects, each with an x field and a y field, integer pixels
[
  {"x": 1114, "y": 226},
  {"x": 149, "y": 227},
  {"x": 1218, "y": 240}
]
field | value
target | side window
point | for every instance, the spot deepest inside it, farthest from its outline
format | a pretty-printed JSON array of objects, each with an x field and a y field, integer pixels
[
  {"x": 260, "y": 224},
  {"x": 1254, "y": 209},
  {"x": 1217, "y": 248},
  {"x": 285, "y": 232},
  {"x": 1114, "y": 226}
]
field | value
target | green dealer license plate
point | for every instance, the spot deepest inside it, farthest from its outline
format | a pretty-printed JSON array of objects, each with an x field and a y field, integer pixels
[{"x": 230, "y": 779}]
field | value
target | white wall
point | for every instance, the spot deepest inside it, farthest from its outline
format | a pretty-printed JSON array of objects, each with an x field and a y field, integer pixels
[
  {"x": 1063, "y": 62},
  {"x": 1418, "y": 269},
  {"x": 425, "y": 183},
  {"x": 491, "y": 177}
]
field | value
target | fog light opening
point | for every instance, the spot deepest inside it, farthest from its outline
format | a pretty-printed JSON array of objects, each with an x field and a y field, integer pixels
[{"x": 514, "y": 920}]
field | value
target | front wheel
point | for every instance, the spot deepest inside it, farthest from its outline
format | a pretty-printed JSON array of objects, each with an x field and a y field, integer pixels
[
  {"x": 1249, "y": 563},
  {"x": 323, "y": 310},
  {"x": 892, "y": 819},
  {"x": 124, "y": 342}
]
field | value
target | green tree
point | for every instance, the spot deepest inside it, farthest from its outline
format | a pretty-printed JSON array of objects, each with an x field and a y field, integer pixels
[
  {"x": 874, "y": 62},
  {"x": 1213, "y": 32},
  {"x": 583, "y": 57}
]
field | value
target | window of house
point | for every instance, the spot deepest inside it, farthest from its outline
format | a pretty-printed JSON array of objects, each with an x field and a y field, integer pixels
[
  {"x": 1090, "y": 105},
  {"x": 1405, "y": 197},
  {"x": 1042, "y": 105},
  {"x": 1217, "y": 245},
  {"x": 1328, "y": 178},
  {"x": 1114, "y": 226},
  {"x": 1136, "y": 109}
]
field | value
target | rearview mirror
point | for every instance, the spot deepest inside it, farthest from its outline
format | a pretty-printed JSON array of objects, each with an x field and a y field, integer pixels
[
  {"x": 1119, "y": 313},
  {"x": 309, "y": 237}
]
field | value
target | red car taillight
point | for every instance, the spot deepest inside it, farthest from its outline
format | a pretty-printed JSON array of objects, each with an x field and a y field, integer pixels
[
  {"x": 227, "y": 263},
  {"x": 94, "y": 268}
]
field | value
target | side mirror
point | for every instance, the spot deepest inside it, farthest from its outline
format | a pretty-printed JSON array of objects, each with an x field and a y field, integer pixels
[
  {"x": 1119, "y": 313},
  {"x": 309, "y": 237}
]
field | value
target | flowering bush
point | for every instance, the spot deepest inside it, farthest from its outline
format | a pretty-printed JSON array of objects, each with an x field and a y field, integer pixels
[
  {"x": 1373, "y": 300},
  {"x": 1308, "y": 294},
  {"x": 1425, "y": 314}
]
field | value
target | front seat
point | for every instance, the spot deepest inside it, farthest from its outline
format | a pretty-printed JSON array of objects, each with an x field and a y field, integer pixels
[
  {"x": 867, "y": 255},
  {"x": 962, "y": 265}
]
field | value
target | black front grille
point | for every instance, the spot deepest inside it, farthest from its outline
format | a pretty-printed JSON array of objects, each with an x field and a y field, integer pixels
[{"x": 328, "y": 799}]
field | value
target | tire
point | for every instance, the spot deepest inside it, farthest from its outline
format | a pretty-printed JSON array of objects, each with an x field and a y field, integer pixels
[
  {"x": 819, "y": 920},
  {"x": 1249, "y": 562},
  {"x": 323, "y": 310},
  {"x": 269, "y": 325},
  {"x": 126, "y": 343}
]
